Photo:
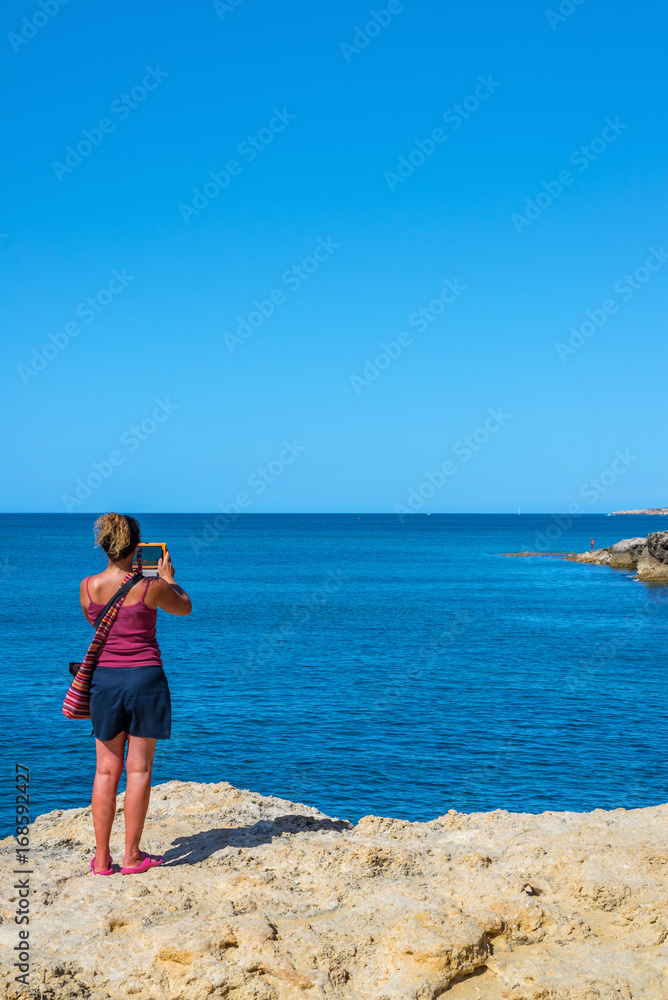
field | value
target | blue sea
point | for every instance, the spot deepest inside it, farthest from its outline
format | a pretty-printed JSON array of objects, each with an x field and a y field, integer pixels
[{"x": 359, "y": 664}]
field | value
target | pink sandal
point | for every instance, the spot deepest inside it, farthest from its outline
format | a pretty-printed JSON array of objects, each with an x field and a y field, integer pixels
[
  {"x": 149, "y": 861},
  {"x": 109, "y": 871}
]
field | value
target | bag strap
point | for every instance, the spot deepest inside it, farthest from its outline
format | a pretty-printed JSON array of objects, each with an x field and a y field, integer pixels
[{"x": 121, "y": 592}]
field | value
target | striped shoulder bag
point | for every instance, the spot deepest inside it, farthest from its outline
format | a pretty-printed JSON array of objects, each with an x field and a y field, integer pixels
[{"x": 77, "y": 699}]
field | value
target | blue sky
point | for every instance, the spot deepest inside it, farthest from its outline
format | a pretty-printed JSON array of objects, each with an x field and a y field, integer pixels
[{"x": 449, "y": 190}]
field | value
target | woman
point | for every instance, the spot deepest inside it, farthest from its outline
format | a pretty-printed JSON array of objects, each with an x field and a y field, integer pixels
[{"x": 129, "y": 699}]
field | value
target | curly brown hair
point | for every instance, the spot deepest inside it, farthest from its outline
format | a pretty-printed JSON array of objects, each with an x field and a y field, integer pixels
[{"x": 117, "y": 534}]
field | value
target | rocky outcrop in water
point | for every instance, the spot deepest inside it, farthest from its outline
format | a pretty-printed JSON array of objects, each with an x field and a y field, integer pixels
[
  {"x": 626, "y": 553},
  {"x": 622, "y": 555},
  {"x": 653, "y": 560},
  {"x": 649, "y": 556},
  {"x": 266, "y": 899}
]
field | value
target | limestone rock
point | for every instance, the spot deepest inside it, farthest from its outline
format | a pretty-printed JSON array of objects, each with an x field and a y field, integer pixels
[
  {"x": 653, "y": 561},
  {"x": 601, "y": 557},
  {"x": 625, "y": 554},
  {"x": 261, "y": 898},
  {"x": 621, "y": 555},
  {"x": 628, "y": 554}
]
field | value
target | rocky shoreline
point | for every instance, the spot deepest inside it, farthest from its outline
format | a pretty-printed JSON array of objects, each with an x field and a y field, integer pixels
[
  {"x": 646, "y": 510},
  {"x": 647, "y": 555},
  {"x": 261, "y": 898}
]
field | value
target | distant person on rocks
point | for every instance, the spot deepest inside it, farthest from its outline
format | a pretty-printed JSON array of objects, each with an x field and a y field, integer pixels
[
  {"x": 129, "y": 695},
  {"x": 592, "y": 544}
]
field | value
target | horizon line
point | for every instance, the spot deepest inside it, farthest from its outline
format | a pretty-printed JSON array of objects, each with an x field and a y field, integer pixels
[{"x": 343, "y": 513}]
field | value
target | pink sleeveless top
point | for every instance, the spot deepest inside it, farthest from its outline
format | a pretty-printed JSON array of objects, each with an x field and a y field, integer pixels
[{"x": 131, "y": 641}]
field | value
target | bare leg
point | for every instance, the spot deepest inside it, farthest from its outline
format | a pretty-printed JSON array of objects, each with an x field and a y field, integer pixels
[
  {"x": 138, "y": 768},
  {"x": 107, "y": 775}
]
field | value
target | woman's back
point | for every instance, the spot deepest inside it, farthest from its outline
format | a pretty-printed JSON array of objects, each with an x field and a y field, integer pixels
[{"x": 131, "y": 641}]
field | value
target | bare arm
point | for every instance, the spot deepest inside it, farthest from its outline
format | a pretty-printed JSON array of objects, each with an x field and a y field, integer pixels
[
  {"x": 83, "y": 597},
  {"x": 170, "y": 597}
]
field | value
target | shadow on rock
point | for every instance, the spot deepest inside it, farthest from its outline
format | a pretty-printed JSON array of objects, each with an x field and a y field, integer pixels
[{"x": 199, "y": 846}]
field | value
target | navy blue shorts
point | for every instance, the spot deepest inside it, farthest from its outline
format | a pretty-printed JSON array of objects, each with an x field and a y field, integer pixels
[{"x": 132, "y": 700}]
